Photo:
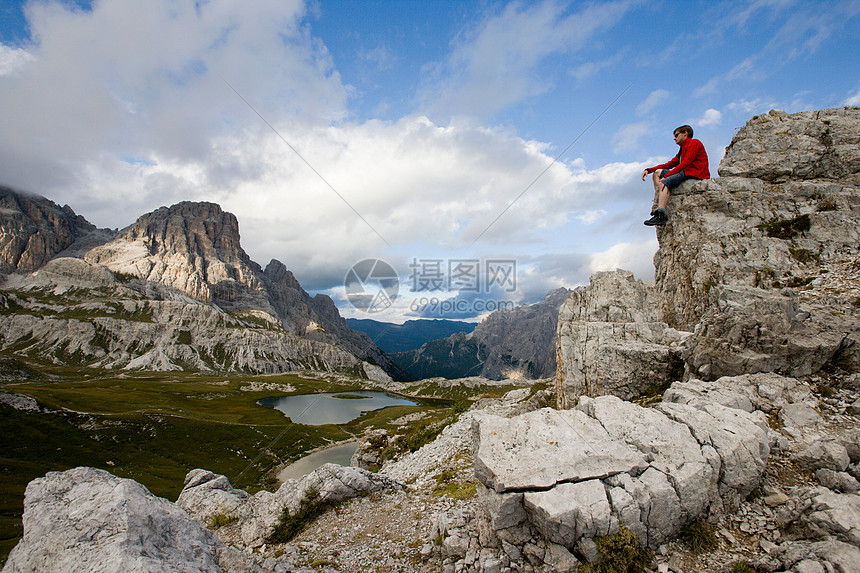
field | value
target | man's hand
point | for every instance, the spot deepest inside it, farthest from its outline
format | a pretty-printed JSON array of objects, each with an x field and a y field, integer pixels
[{"x": 644, "y": 173}]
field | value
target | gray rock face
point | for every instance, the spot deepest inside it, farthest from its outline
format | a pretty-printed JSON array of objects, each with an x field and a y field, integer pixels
[
  {"x": 825, "y": 514},
  {"x": 583, "y": 473},
  {"x": 611, "y": 341},
  {"x": 206, "y": 495},
  {"x": 87, "y": 520},
  {"x": 33, "y": 230},
  {"x": 809, "y": 145},
  {"x": 783, "y": 216}
]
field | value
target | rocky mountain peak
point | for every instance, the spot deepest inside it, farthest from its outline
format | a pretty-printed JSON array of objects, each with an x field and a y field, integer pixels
[
  {"x": 193, "y": 247},
  {"x": 198, "y": 228}
]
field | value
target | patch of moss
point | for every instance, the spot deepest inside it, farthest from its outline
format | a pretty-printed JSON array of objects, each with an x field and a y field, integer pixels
[
  {"x": 221, "y": 520},
  {"x": 621, "y": 553},
  {"x": 786, "y": 228},
  {"x": 795, "y": 282},
  {"x": 742, "y": 567},
  {"x": 457, "y": 490},
  {"x": 764, "y": 276}
]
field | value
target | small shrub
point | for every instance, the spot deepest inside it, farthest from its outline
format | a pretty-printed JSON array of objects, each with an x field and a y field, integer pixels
[
  {"x": 621, "y": 553},
  {"x": 461, "y": 406},
  {"x": 803, "y": 255},
  {"x": 742, "y": 567},
  {"x": 795, "y": 282},
  {"x": 786, "y": 228},
  {"x": 698, "y": 536},
  {"x": 764, "y": 276},
  {"x": 289, "y": 525}
]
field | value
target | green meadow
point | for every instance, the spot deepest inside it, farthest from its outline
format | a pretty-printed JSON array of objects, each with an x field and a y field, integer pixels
[{"x": 155, "y": 427}]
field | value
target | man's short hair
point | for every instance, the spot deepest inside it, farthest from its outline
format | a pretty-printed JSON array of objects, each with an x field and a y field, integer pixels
[{"x": 684, "y": 129}]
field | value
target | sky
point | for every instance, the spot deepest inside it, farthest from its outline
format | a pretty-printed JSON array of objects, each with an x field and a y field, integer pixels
[{"x": 434, "y": 159}]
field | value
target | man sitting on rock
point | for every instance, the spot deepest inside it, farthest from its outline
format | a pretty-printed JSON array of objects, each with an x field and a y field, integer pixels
[{"x": 690, "y": 163}]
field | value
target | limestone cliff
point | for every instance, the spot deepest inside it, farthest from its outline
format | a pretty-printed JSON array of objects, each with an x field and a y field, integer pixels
[{"x": 762, "y": 262}]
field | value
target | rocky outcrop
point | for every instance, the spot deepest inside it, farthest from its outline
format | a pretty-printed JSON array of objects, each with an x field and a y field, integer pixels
[
  {"x": 761, "y": 263},
  {"x": 33, "y": 230},
  {"x": 756, "y": 272},
  {"x": 611, "y": 341},
  {"x": 86, "y": 519},
  {"x": 509, "y": 343}
]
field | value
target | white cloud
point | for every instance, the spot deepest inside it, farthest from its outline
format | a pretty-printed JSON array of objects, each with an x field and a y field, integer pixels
[
  {"x": 628, "y": 136},
  {"x": 495, "y": 66},
  {"x": 636, "y": 257},
  {"x": 853, "y": 99},
  {"x": 12, "y": 59},
  {"x": 710, "y": 118},
  {"x": 654, "y": 99},
  {"x": 140, "y": 80},
  {"x": 590, "y": 216}
]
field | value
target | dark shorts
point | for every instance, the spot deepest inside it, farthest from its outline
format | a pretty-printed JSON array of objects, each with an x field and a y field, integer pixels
[{"x": 673, "y": 180}]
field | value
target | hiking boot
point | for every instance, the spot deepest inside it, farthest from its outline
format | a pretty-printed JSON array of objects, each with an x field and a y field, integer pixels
[{"x": 658, "y": 219}]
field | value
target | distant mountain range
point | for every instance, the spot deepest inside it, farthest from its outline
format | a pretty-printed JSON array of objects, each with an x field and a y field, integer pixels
[
  {"x": 176, "y": 291},
  {"x": 411, "y": 334},
  {"x": 509, "y": 343}
]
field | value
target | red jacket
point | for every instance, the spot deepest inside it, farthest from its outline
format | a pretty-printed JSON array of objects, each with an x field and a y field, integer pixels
[{"x": 691, "y": 159}]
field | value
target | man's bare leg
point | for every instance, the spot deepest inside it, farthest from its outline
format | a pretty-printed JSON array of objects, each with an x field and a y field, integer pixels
[{"x": 661, "y": 190}]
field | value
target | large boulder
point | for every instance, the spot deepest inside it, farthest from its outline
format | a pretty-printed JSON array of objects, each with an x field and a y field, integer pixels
[
  {"x": 86, "y": 520},
  {"x": 577, "y": 474},
  {"x": 206, "y": 495}
]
